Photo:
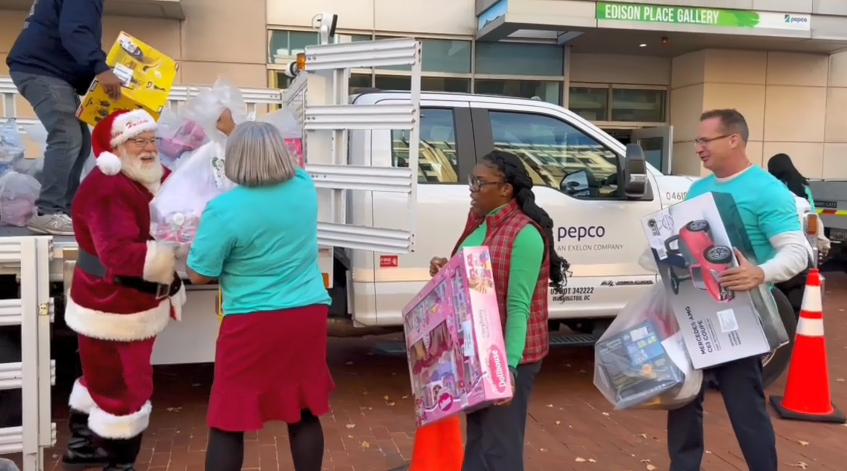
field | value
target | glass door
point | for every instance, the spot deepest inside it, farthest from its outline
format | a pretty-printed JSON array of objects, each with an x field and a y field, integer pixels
[{"x": 657, "y": 144}]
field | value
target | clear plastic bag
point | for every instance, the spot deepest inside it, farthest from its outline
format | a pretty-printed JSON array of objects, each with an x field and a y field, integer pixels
[
  {"x": 178, "y": 136},
  {"x": 18, "y": 193},
  {"x": 175, "y": 210},
  {"x": 206, "y": 108},
  {"x": 641, "y": 361},
  {"x": 12, "y": 145},
  {"x": 292, "y": 133}
]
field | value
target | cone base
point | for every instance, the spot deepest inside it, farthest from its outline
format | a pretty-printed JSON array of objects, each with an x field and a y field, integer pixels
[{"x": 834, "y": 417}]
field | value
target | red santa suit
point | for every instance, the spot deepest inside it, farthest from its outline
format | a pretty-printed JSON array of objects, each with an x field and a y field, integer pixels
[{"x": 119, "y": 306}]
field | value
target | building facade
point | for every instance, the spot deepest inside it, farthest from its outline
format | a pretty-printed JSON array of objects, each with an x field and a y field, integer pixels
[{"x": 643, "y": 72}]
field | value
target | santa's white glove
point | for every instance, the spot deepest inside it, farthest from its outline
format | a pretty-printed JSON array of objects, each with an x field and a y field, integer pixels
[
  {"x": 159, "y": 262},
  {"x": 182, "y": 251}
]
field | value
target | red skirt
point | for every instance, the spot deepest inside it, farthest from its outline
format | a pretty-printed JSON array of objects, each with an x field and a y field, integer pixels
[{"x": 270, "y": 366}]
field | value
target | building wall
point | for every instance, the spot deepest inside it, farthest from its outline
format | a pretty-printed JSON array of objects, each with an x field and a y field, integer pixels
[
  {"x": 202, "y": 44},
  {"x": 794, "y": 103}
]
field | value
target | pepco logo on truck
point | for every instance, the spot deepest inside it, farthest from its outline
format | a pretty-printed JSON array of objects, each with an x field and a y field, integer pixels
[{"x": 578, "y": 233}]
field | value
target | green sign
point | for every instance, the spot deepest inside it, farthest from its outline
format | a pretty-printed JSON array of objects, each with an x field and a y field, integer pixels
[{"x": 701, "y": 16}]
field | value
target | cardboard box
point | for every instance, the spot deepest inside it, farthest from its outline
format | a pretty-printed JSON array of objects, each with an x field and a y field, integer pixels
[
  {"x": 148, "y": 76},
  {"x": 692, "y": 242},
  {"x": 457, "y": 357}
]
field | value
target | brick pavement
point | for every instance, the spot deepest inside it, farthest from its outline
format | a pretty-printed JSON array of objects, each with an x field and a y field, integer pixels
[{"x": 571, "y": 426}]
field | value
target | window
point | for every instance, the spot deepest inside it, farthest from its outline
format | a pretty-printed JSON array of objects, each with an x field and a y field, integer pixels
[
  {"x": 428, "y": 84},
  {"x": 552, "y": 149},
  {"x": 550, "y": 92},
  {"x": 638, "y": 105},
  {"x": 283, "y": 46},
  {"x": 590, "y": 103},
  {"x": 440, "y": 55},
  {"x": 357, "y": 81},
  {"x": 437, "y": 162},
  {"x": 520, "y": 59}
]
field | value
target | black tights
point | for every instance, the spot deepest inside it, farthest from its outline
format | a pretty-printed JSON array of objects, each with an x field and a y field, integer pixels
[{"x": 225, "y": 451}]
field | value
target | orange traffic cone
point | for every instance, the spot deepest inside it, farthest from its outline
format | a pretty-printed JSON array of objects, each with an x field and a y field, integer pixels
[
  {"x": 807, "y": 395},
  {"x": 438, "y": 446}
]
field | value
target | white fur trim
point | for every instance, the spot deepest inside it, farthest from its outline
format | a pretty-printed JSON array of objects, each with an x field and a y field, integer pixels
[
  {"x": 159, "y": 262},
  {"x": 106, "y": 425},
  {"x": 109, "y": 163},
  {"x": 80, "y": 399},
  {"x": 118, "y": 327},
  {"x": 177, "y": 301},
  {"x": 129, "y": 125}
]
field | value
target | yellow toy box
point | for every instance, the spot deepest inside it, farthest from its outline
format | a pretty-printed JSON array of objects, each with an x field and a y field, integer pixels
[{"x": 147, "y": 77}]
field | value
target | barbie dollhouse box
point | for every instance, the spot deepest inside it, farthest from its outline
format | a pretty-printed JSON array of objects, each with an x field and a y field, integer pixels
[{"x": 457, "y": 358}]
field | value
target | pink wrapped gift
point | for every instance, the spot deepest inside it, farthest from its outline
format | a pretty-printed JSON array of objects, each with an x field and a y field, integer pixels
[{"x": 457, "y": 357}]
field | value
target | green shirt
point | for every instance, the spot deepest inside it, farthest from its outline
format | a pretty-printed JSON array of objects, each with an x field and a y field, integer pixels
[
  {"x": 809, "y": 197},
  {"x": 525, "y": 264}
]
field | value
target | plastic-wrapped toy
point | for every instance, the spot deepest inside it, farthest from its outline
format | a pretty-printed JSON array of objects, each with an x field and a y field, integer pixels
[
  {"x": 175, "y": 210},
  {"x": 641, "y": 362},
  {"x": 12, "y": 145},
  {"x": 177, "y": 135},
  {"x": 18, "y": 193},
  {"x": 456, "y": 352},
  {"x": 37, "y": 134},
  {"x": 292, "y": 133}
]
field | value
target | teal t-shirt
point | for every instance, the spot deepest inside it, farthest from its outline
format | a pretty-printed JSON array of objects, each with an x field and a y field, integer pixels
[
  {"x": 262, "y": 245},
  {"x": 766, "y": 206},
  {"x": 810, "y": 197}
]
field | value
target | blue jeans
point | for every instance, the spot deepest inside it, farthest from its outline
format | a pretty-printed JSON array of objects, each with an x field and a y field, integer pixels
[{"x": 68, "y": 139}]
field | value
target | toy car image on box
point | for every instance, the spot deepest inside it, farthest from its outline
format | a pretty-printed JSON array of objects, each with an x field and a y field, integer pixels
[
  {"x": 456, "y": 353},
  {"x": 147, "y": 77},
  {"x": 692, "y": 242}
]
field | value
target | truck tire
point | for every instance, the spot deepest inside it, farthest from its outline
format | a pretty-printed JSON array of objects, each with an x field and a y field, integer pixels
[
  {"x": 775, "y": 363},
  {"x": 10, "y": 399}
]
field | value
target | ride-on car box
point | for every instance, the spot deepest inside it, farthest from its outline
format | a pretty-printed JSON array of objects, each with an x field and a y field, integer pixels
[
  {"x": 147, "y": 77},
  {"x": 692, "y": 243}
]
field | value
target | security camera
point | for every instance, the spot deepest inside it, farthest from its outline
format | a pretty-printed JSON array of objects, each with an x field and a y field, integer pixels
[
  {"x": 326, "y": 24},
  {"x": 291, "y": 69}
]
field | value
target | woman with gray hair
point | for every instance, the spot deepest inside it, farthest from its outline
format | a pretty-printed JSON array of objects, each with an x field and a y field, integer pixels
[{"x": 270, "y": 362}]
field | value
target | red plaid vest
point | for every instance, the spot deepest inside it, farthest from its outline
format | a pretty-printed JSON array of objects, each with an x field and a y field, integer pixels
[{"x": 502, "y": 228}]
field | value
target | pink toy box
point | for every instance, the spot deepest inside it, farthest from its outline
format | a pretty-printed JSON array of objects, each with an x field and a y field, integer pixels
[{"x": 457, "y": 357}]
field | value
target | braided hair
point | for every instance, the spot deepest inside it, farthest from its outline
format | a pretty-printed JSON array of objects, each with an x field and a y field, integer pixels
[{"x": 515, "y": 174}]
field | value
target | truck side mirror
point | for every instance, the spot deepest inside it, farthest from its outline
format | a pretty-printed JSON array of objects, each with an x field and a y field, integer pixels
[{"x": 632, "y": 172}]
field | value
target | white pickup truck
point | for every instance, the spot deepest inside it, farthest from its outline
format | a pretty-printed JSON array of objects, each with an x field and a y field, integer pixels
[{"x": 576, "y": 168}]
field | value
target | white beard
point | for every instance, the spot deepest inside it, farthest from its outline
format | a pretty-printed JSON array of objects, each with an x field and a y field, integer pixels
[{"x": 148, "y": 174}]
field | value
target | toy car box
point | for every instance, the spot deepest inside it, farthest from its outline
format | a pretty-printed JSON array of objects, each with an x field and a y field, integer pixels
[
  {"x": 456, "y": 352},
  {"x": 692, "y": 243},
  {"x": 636, "y": 366},
  {"x": 147, "y": 77}
]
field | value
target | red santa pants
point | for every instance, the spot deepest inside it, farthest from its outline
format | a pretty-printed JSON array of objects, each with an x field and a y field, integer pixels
[{"x": 115, "y": 387}]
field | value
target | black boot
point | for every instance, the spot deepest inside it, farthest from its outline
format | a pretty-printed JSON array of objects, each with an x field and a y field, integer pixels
[
  {"x": 82, "y": 450},
  {"x": 123, "y": 453}
]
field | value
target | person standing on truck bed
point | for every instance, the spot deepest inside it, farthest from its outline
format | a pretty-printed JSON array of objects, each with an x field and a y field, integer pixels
[
  {"x": 781, "y": 167},
  {"x": 53, "y": 62},
  {"x": 123, "y": 293},
  {"x": 519, "y": 235},
  {"x": 270, "y": 357},
  {"x": 770, "y": 219}
]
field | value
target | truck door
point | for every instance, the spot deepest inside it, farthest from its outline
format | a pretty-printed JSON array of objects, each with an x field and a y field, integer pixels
[
  {"x": 596, "y": 228},
  {"x": 657, "y": 144},
  {"x": 446, "y": 157}
]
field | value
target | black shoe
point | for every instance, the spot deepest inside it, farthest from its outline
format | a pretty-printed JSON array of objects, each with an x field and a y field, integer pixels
[
  {"x": 123, "y": 453},
  {"x": 82, "y": 451}
]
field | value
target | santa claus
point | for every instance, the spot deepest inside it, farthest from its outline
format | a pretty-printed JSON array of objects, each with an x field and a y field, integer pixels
[{"x": 124, "y": 292}]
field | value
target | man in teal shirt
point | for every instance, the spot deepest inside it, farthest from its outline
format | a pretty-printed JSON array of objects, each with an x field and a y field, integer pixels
[{"x": 769, "y": 214}]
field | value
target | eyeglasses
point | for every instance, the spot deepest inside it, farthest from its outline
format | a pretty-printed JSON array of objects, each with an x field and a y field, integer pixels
[
  {"x": 705, "y": 140},
  {"x": 475, "y": 183},
  {"x": 144, "y": 142}
]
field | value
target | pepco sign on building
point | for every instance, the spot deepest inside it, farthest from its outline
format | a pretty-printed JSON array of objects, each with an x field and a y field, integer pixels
[{"x": 642, "y": 71}]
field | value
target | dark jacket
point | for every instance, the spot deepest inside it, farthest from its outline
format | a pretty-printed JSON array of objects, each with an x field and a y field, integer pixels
[{"x": 61, "y": 38}]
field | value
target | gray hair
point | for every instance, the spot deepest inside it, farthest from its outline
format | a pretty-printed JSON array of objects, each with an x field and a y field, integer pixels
[{"x": 256, "y": 155}]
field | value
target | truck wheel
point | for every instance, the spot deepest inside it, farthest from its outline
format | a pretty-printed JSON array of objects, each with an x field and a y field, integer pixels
[
  {"x": 718, "y": 254},
  {"x": 10, "y": 399},
  {"x": 698, "y": 225},
  {"x": 775, "y": 362}
]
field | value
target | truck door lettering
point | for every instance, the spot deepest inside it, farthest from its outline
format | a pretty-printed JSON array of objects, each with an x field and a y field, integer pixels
[{"x": 580, "y": 232}]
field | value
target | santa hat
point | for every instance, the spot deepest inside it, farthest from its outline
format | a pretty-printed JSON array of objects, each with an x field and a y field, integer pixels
[{"x": 114, "y": 130}]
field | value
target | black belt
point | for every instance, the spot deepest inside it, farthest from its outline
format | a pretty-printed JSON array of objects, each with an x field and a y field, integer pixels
[{"x": 89, "y": 263}]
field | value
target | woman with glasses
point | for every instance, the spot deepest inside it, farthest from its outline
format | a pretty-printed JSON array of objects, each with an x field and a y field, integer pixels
[
  {"x": 519, "y": 235},
  {"x": 270, "y": 361}
]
